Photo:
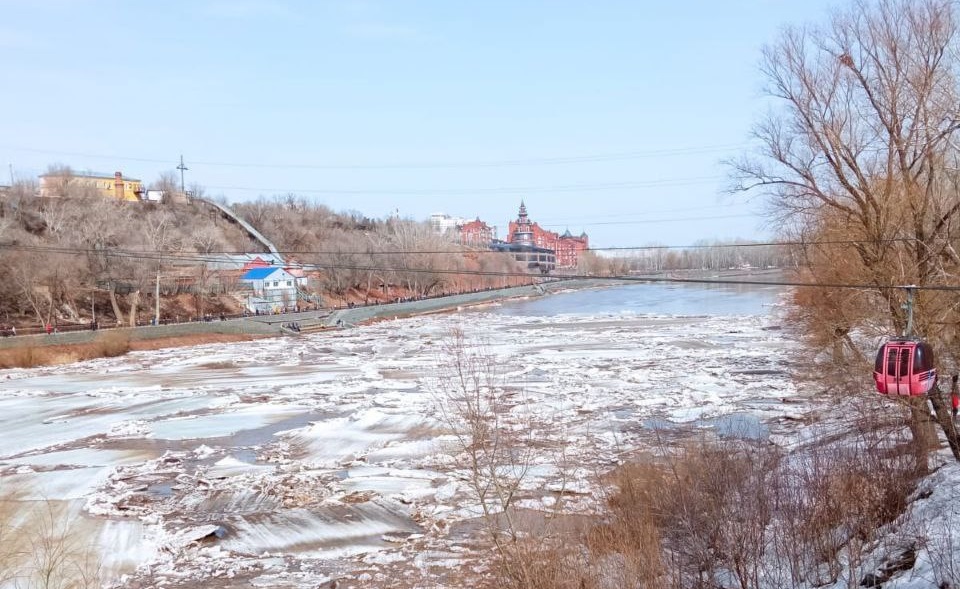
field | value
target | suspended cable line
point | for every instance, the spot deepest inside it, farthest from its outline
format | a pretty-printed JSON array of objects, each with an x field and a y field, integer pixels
[
  {"x": 200, "y": 258},
  {"x": 533, "y": 161},
  {"x": 644, "y": 221},
  {"x": 340, "y": 252},
  {"x": 666, "y": 182}
]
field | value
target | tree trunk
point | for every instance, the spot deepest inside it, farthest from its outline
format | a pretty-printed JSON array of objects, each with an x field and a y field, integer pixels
[
  {"x": 134, "y": 303},
  {"x": 945, "y": 419},
  {"x": 923, "y": 432},
  {"x": 116, "y": 307}
]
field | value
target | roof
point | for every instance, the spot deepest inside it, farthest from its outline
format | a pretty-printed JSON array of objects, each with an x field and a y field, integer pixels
[
  {"x": 237, "y": 261},
  {"x": 260, "y": 273},
  {"x": 90, "y": 174},
  {"x": 471, "y": 224}
]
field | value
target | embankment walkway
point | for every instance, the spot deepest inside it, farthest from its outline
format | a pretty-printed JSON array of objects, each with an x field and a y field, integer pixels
[{"x": 309, "y": 321}]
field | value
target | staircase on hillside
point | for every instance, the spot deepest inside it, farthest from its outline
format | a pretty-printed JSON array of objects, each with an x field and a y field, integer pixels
[
  {"x": 313, "y": 299},
  {"x": 250, "y": 229}
]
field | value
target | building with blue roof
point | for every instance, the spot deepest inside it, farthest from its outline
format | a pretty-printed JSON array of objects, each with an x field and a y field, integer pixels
[
  {"x": 274, "y": 290},
  {"x": 260, "y": 273}
]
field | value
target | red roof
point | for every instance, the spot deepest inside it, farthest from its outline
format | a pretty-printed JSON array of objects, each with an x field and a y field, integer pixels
[
  {"x": 478, "y": 224},
  {"x": 257, "y": 262}
]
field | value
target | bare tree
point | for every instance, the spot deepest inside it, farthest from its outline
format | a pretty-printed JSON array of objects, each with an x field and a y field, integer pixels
[
  {"x": 168, "y": 184},
  {"x": 862, "y": 145}
]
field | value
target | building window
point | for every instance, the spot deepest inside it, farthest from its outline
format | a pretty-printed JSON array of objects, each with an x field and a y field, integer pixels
[
  {"x": 276, "y": 283},
  {"x": 289, "y": 283}
]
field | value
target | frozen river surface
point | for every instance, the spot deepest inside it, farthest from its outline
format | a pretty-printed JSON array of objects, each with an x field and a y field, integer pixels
[{"x": 289, "y": 462}]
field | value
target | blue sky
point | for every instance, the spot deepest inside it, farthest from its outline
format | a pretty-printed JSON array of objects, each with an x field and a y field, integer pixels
[{"x": 609, "y": 117}]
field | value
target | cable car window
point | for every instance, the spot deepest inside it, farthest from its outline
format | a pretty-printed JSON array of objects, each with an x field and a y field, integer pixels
[
  {"x": 904, "y": 361},
  {"x": 919, "y": 360},
  {"x": 878, "y": 364},
  {"x": 891, "y": 361}
]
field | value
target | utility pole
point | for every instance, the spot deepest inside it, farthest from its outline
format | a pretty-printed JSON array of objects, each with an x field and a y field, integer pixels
[
  {"x": 156, "y": 297},
  {"x": 183, "y": 168}
]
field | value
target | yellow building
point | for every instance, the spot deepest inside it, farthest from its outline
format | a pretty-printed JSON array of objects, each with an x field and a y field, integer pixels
[{"x": 68, "y": 183}]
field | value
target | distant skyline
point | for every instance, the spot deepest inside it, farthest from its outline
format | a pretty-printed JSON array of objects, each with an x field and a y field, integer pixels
[{"x": 609, "y": 117}]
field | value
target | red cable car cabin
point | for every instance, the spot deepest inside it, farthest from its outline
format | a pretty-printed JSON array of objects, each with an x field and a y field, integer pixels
[{"x": 905, "y": 367}]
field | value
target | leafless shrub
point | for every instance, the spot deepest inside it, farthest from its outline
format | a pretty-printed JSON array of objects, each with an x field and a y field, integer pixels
[
  {"x": 41, "y": 547},
  {"x": 833, "y": 500},
  {"x": 733, "y": 513},
  {"x": 499, "y": 438},
  {"x": 632, "y": 531}
]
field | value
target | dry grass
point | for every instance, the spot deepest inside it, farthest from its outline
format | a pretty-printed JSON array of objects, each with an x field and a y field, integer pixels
[
  {"x": 22, "y": 357},
  {"x": 191, "y": 340},
  {"x": 108, "y": 344}
]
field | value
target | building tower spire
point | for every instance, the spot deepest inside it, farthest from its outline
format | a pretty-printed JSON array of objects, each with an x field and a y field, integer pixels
[{"x": 523, "y": 233}]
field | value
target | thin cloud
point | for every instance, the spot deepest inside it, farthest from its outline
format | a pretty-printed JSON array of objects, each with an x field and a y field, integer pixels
[
  {"x": 246, "y": 9},
  {"x": 14, "y": 39},
  {"x": 377, "y": 31}
]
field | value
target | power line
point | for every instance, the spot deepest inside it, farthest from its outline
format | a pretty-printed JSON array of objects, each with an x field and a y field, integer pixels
[
  {"x": 637, "y": 248},
  {"x": 641, "y": 222},
  {"x": 556, "y": 221},
  {"x": 535, "y": 161},
  {"x": 608, "y": 157},
  {"x": 485, "y": 190},
  {"x": 500, "y": 274}
]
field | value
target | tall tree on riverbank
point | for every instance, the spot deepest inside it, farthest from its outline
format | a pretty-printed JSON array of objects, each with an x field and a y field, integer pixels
[{"x": 861, "y": 146}]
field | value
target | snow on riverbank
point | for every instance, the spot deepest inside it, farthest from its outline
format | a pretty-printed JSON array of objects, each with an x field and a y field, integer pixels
[{"x": 328, "y": 455}]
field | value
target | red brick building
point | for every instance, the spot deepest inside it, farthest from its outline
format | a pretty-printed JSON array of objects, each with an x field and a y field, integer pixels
[
  {"x": 476, "y": 233},
  {"x": 567, "y": 247}
]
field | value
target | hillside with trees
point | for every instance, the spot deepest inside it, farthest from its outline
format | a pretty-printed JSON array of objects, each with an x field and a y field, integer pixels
[
  {"x": 63, "y": 255},
  {"x": 79, "y": 256}
]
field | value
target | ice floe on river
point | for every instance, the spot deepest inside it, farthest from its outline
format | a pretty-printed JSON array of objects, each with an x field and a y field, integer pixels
[{"x": 291, "y": 461}]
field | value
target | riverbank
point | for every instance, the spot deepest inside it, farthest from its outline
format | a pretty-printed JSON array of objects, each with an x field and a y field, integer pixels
[
  {"x": 108, "y": 345},
  {"x": 64, "y": 348}
]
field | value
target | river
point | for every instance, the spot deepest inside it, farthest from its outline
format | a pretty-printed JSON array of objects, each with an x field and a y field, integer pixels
[
  {"x": 290, "y": 462},
  {"x": 663, "y": 299}
]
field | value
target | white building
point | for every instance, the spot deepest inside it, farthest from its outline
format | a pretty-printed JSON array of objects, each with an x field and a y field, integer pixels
[
  {"x": 443, "y": 223},
  {"x": 274, "y": 289}
]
